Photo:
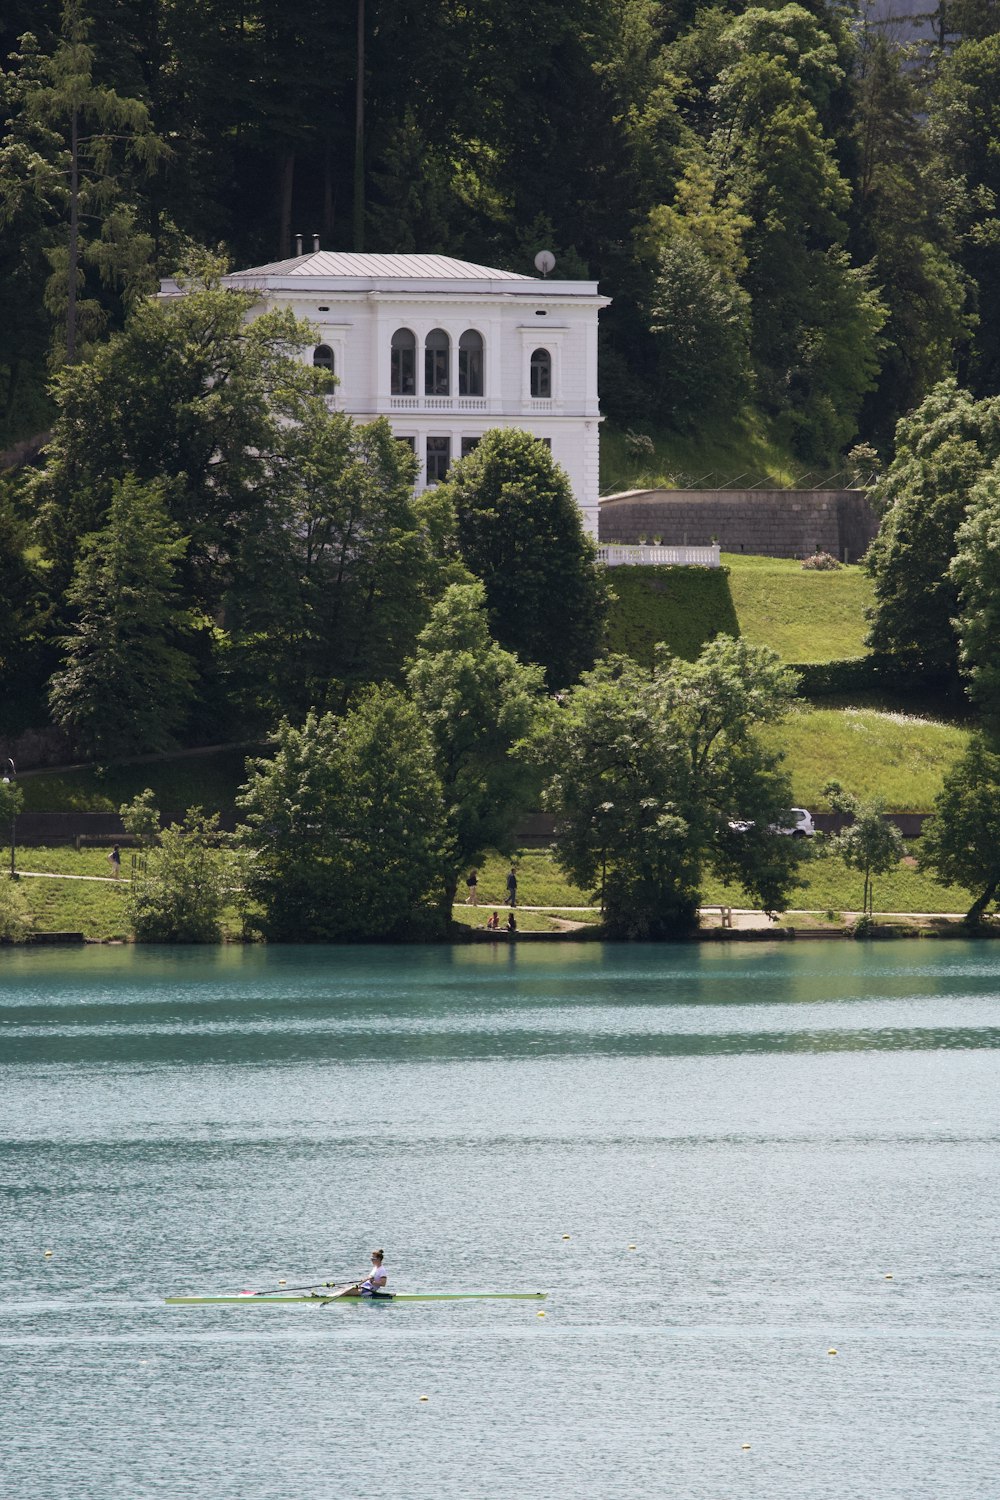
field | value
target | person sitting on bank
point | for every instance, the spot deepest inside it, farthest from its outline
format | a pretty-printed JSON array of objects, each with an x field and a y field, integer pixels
[
  {"x": 512, "y": 923},
  {"x": 493, "y": 923}
]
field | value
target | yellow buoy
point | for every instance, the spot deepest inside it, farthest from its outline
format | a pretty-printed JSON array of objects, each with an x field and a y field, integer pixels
[
  {"x": 48, "y": 1254},
  {"x": 424, "y": 1398},
  {"x": 565, "y": 1236},
  {"x": 631, "y": 1247},
  {"x": 746, "y": 1447},
  {"x": 889, "y": 1276},
  {"x": 831, "y": 1351}
]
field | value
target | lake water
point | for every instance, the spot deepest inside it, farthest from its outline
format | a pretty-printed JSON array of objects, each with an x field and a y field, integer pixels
[{"x": 776, "y": 1129}]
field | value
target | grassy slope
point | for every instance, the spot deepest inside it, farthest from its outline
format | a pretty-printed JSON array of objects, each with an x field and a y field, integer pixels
[
  {"x": 717, "y": 454},
  {"x": 869, "y": 752},
  {"x": 208, "y": 781},
  {"x": 802, "y": 615}
]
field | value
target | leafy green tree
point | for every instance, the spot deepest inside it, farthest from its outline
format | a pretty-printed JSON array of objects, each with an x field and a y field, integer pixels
[
  {"x": 942, "y": 450},
  {"x": 975, "y": 572},
  {"x": 345, "y": 834},
  {"x": 701, "y": 318},
  {"x": 869, "y": 844},
  {"x": 479, "y": 703},
  {"x": 519, "y": 530},
  {"x": 964, "y": 128},
  {"x": 194, "y": 397},
  {"x": 25, "y": 612},
  {"x": 960, "y": 844},
  {"x": 904, "y": 222},
  {"x": 141, "y": 818},
  {"x": 179, "y": 895},
  {"x": 651, "y": 772},
  {"x": 126, "y": 683},
  {"x": 74, "y": 144},
  {"x": 338, "y": 582}
]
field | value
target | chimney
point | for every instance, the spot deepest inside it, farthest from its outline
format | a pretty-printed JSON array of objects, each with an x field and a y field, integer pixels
[
  {"x": 298, "y": 244},
  {"x": 315, "y": 242}
]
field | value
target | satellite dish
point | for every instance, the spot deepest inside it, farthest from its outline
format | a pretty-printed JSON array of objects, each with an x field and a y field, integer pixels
[{"x": 544, "y": 261}]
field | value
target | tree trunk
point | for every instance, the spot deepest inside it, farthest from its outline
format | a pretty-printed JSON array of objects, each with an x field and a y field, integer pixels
[
  {"x": 74, "y": 233},
  {"x": 975, "y": 913},
  {"x": 359, "y": 134},
  {"x": 286, "y": 183}
]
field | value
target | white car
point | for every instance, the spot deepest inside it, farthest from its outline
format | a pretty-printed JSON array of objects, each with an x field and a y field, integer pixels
[{"x": 797, "y": 823}]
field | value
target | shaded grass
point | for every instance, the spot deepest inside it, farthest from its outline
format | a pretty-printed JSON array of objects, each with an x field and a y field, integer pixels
[
  {"x": 718, "y": 453},
  {"x": 869, "y": 752},
  {"x": 527, "y": 921},
  {"x": 539, "y": 882},
  {"x": 685, "y": 607},
  {"x": 803, "y": 615},
  {"x": 209, "y": 781}
]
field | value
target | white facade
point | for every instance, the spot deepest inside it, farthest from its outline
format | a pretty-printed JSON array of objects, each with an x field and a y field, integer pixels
[{"x": 488, "y": 349}]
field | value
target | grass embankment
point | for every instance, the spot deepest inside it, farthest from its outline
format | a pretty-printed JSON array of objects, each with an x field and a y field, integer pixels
[
  {"x": 97, "y": 909},
  {"x": 209, "y": 780},
  {"x": 94, "y": 907},
  {"x": 771, "y": 601},
  {"x": 870, "y": 752},
  {"x": 719, "y": 453}
]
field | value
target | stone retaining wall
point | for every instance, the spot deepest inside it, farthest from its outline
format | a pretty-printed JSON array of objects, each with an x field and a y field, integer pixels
[{"x": 768, "y": 523}]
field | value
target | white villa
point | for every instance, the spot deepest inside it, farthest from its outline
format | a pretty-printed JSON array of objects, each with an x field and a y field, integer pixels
[{"x": 446, "y": 350}]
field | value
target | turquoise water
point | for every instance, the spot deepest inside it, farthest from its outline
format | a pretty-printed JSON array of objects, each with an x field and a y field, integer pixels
[{"x": 775, "y": 1129}]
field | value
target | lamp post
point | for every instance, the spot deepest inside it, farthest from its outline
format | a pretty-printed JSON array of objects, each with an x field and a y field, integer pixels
[{"x": 9, "y": 778}]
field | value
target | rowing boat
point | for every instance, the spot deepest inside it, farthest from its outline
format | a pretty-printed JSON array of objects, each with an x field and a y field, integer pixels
[{"x": 323, "y": 1299}]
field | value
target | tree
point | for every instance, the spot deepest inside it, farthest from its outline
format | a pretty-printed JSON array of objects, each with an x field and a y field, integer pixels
[
  {"x": 339, "y": 577},
  {"x": 941, "y": 451},
  {"x": 870, "y": 844},
  {"x": 345, "y": 833},
  {"x": 74, "y": 145},
  {"x": 479, "y": 702},
  {"x": 960, "y": 844},
  {"x": 178, "y": 895},
  {"x": 519, "y": 530},
  {"x": 126, "y": 683},
  {"x": 652, "y": 770},
  {"x": 975, "y": 573},
  {"x": 193, "y": 396},
  {"x": 141, "y": 818}
]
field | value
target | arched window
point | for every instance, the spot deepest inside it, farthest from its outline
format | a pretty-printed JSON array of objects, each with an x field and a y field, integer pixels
[
  {"x": 470, "y": 363},
  {"x": 437, "y": 351},
  {"x": 323, "y": 357},
  {"x": 541, "y": 374},
  {"x": 403, "y": 364}
]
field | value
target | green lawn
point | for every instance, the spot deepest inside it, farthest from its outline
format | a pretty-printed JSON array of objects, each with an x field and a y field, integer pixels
[
  {"x": 830, "y": 886},
  {"x": 803, "y": 615},
  {"x": 869, "y": 752}
]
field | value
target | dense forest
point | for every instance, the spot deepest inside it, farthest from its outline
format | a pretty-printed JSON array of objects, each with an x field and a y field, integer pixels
[{"x": 793, "y": 211}]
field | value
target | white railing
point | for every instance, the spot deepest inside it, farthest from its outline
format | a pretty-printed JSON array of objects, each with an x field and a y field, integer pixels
[
  {"x": 616, "y": 555},
  {"x": 437, "y": 403},
  {"x": 404, "y": 403}
]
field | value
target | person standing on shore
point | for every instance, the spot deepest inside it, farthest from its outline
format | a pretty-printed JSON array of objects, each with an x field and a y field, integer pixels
[
  {"x": 115, "y": 861},
  {"x": 472, "y": 899},
  {"x": 512, "y": 888}
]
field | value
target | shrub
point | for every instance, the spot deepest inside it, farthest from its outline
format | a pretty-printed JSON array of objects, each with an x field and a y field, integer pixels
[
  {"x": 821, "y": 562},
  {"x": 15, "y": 920}
]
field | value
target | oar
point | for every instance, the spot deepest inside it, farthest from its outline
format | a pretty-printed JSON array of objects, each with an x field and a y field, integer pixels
[{"x": 274, "y": 1290}]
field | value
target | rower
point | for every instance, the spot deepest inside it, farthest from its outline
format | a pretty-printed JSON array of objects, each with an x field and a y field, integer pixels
[{"x": 377, "y": 1277}]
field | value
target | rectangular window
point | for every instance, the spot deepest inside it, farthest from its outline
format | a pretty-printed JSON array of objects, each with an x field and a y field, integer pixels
[
  {"x": 408, "y": 442},
  {"x": 470, "y": 372},
  {"x": 469, "y": 445},
  {"x": 436, "y": 372},
  {"x": 402, "y": 373},
  {"x": 438, "y": 458}
]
